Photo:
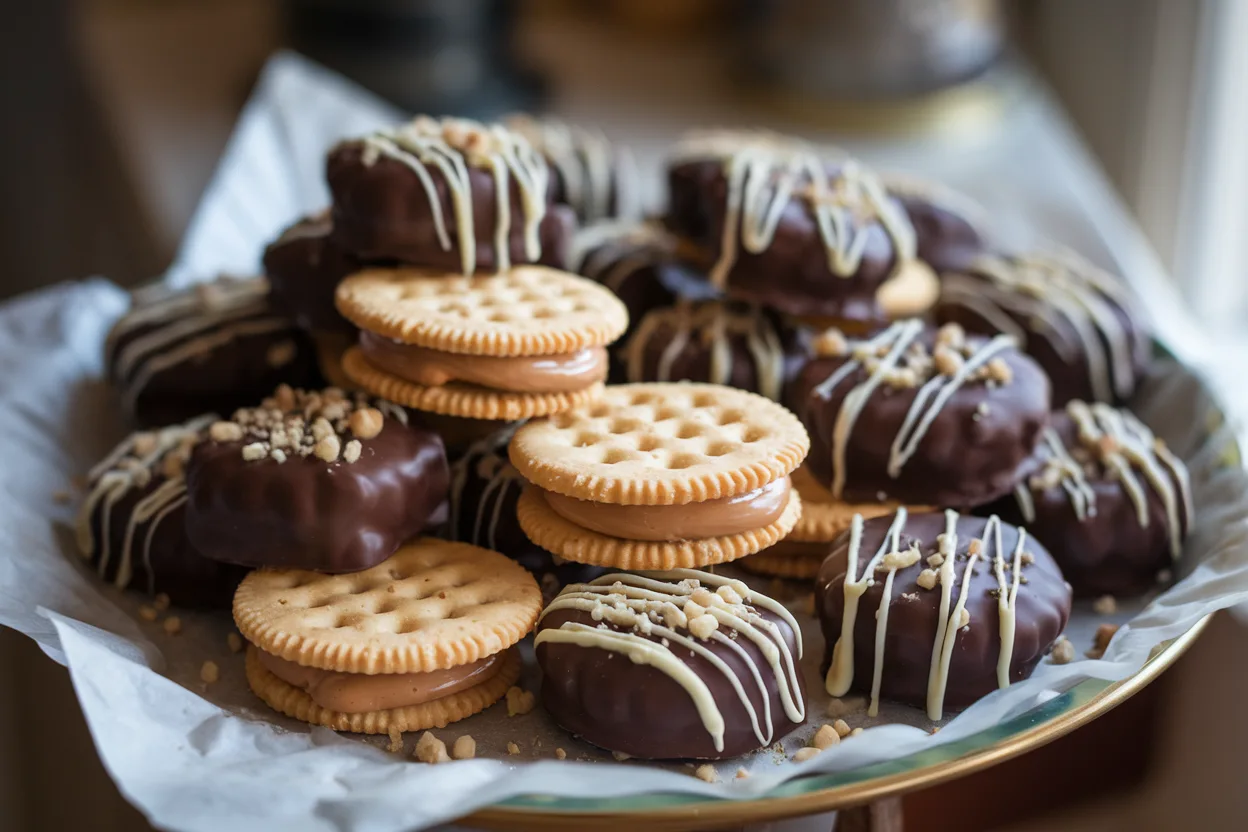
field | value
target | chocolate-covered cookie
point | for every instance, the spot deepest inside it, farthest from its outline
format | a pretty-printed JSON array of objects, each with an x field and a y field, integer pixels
[
  {"x": 447, "y": 194},
  {"x": 921, "y": 417},
  {"x": 640, "y": 262},
  {"x": 316, "y": 481},
  {"x": 131, "y": 524},
  {"x": 948, "y": 226},
  {"x": 213, "y": 347},
  {"x": 671, "y": 665},
  {"x": 304, "y": 266},
  {"x": 790, "y": 229},
  {"x": 1111, "y": 502},
  {"x": 715, "y": 341},
  {"x": 594, "y": 178},
  {"x": 1081, "y": 324},
  {"x": 936, "y": 610},
  {"x": 484, "y": 490}
]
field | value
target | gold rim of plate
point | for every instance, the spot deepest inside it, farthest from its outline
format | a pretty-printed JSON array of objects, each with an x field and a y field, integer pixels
[{"x": 721, "y": 812}]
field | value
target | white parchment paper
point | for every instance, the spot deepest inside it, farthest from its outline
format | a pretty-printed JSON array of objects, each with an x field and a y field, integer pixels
[{"x": 194, "y": 756}]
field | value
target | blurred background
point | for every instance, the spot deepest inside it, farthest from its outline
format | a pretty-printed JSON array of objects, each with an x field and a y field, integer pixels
[{"x": 116, "y": 111}]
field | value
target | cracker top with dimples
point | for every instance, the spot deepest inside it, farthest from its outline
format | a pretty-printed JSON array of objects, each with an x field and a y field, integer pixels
[
  {"x": 432, "y": 605},
  {"x": 662, "y": 444},
  {"x": 526, "y": 311}
]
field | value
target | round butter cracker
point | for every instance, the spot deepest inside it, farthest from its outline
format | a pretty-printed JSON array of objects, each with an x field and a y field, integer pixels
[{"x": 662, "y": 444}]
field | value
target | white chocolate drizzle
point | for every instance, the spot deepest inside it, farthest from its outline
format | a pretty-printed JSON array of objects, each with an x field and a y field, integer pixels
[
  {"x": 1031, "y": 294},
  {"x": 182, "y": 326},
  {"x": 658, "y": 609},
  {"x": 452, "y": 146},
  {"x": 487, "y": 460},
  {"x": 713, "y": 325},
  {"x": 132, "y": 465},
  {"x": 891, "y": 559},
  {"x": 612, "y": 252},
  {"x": 591, "y": 169},
  {"x": 1061, "y": 469},
  {"x": 883, "y": 357},
  {"x": 1137, "y": 460},
  {"x": 764, "y": 173}
]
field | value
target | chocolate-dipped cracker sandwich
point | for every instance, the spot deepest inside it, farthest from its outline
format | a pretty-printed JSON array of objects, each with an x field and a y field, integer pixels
[
  {"x": 718, "y": 342},
  {"x": 936, "y": 610},
  {"x": 529, "y": 342},
  {"x": 448, "y": 194},
  {"x": 1081, "y": 324},
  {"x": 1110, "y": 501},
  {"x": 671, "y": 665},
  {"x": 639, "y": 262},
  {"x": 950, "y": 228},
  {"x": 215, "y": 346},
  {"x": 596, "y": 179},
  {"x": 304, "y": 266},
  {"x": 788, "y": 228},
  {"x": 921, "y": 416},
  {"x": 314, "y": 480},
  {"x": 131, "y": 525},
  {"x": 485, "y": 488},
  {"x": 656, "y": 476},
  {"x": 423, "y": 639}
]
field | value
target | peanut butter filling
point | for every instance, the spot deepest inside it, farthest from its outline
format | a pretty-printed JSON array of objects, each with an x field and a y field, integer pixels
[
  {"x": 358, "y": 693},
  {"x": 564, "y": 373},
  {"x": 712, "y": 518}
]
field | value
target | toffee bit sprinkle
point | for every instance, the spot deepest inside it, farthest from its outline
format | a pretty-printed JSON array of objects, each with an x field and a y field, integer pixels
[
  {"x": 464, "y": 748},
  {"x": 513, "y": 749},
  {"x": 706, "y": 773},
  {"x": 209, "y": 672},
  {"x": 560, "y": 754},
  {"x": 1063, "y": 651}
]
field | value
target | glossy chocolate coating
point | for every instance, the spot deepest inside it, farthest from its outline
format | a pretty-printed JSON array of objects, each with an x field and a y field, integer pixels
[
  {"x": 965, "y": 458},
  {"x": 639, "y": 264},
  {"x": 694, "y": 360},
  {"x": 304, "y": 267},
  {"x": 305, "y": 513},
  {"x": 173, "y": 566},
  {"x": 381, "y": 212},
  {"x": 791, "y": 275},
  {"x": 1051, "y": 339},
  {"x": 1041, "y": 611},
  {"x": 606, "y": 699},
  {"x": 482, "y": 502},
  {"x": 1108, "y": 553},
  {"x": 234, "y": 367},
  {"x": 945, "y": 239}
]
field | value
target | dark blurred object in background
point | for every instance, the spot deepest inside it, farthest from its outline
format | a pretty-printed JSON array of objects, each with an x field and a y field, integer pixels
[
  {"x": 868, "y": 49},
  {"x": 452, "y": 57}
]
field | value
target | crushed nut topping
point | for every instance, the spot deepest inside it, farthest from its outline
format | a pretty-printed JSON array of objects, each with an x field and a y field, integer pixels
[
  {"x": 560, "y": 754},
  {"x": 328, "y": 425},
  {"x": 804, "y": 754},
  {"x": 1100, "y": 641},
  {"x": 841, "y": 727},
  {"x": 831, "y": 344},
  {"x": 172, "y": 625},
  {"x": 519, "y": 702},
  {"x": 928, "y": 579},
  {"x": 1063, "y": 651},
  {"x": 430, "y": 749},
  {"x": 825, "y": 737},
  {"x": 513, "y": 749},
  {"x": 1105, "y": 605},
  {"x": 464, "y": 748},
  {"x": 235, "y": 642},
  {"x": 706, "y": 772},
  {"x": 209, "y": 672}
]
